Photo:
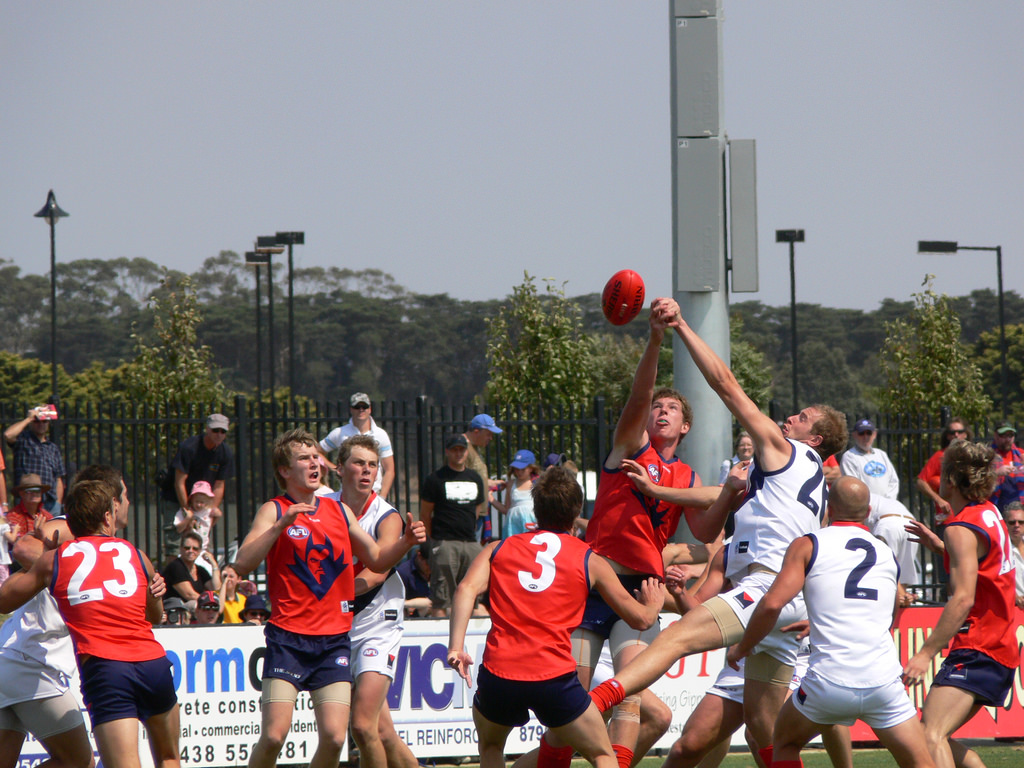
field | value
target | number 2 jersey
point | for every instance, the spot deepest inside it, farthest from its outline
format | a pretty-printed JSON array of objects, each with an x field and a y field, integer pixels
[
  {"x": 631, "y": 528},
  {"x": 538, "y": 589},
  {"x": 779, "y": 508},
  {"x": 850, "y": 592},
  {"x": 101, "y": 585},
  {"x": 991, "y": 624}
]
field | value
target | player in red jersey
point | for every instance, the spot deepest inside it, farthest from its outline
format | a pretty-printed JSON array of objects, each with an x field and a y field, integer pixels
[
  {"x": 308, "y": 543},
  {"x": 979, "y": 616},
  {"x": 538, "y": 585},
  {"x": 109, "y": 596}
]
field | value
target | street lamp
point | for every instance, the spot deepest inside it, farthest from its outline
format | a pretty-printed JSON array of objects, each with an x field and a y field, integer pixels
[
  {"x": 946, "y": 246},
  {"x": 290, "y": 239},
  {"x": 266, "y": 245},
  {"x": 791, "y": 236},
  {"x": 257, "y": 260},
  {"x": 51, "y": 212}
]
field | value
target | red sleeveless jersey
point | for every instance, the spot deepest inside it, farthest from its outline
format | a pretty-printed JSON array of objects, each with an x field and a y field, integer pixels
[
  {"x": 538, "y": 589},
  {"x": 100, "y": 585},
  {"x": 627, "y": 526},
  {"x": 991, "y": 625},
  {"x": 309, "y": 571}
]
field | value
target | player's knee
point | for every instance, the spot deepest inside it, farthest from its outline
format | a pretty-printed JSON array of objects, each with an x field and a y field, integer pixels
[
  {"x": 333, "y": 741},
  {"x": 364, "y": 728},
  {"x": 271, "y": 742},
  {"x": 689, "y": 749},
  {"x": 655, "y": 714}
]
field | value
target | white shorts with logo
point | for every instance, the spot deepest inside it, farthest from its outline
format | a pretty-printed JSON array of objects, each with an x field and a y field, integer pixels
[
  {"x": 827, "y": 703},
  {"x": 743, "y": 599},
  {"x": 377, "y": 631}
]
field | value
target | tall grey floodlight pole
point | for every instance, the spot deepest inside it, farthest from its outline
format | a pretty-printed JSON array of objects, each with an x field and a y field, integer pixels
[{"x": 52, "y": 213}]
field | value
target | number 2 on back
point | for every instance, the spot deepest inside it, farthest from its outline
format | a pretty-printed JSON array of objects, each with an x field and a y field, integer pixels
[{"x": 122, "y": 562}]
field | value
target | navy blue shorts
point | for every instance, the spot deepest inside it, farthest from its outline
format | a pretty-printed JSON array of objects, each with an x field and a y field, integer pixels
[
  {"x": 308, "y": 662},
  {"x": 976, "y": 673},
  {"x": 556, "y": 702},
  {"x": 115, "y": 690},
  {"x": 598, "y": 616}
]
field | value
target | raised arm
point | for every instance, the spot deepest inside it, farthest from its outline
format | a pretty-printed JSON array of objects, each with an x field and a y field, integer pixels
[
  {"x": 22, "y": 586},
  {"x": 382, "y": 557},
  {"x": 12, "y": 432},
  {"x": 639, "y": 615}
]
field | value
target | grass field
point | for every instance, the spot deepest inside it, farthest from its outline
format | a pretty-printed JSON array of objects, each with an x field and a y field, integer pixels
[{"x": 1010, "y": 755}]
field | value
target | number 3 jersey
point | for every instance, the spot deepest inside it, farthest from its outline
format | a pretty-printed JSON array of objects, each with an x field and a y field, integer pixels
[
  {"x": 991, "y": 624},
  {"x": 850, "y": 592},
  {"x": 538, "y": 589},
  {"x": 101, "y": 585}
]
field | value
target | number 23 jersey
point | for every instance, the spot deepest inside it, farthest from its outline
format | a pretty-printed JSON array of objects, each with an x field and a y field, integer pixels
[
  {"x": 101, "y": 586},
  {"x": 538, "y": 589}
]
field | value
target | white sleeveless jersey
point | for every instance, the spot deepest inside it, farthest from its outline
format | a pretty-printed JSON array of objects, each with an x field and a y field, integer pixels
[
  {"x": 392, "y": 590},
  {"x": 779, "y": 507},
  {"x": 37, "y": 631},
  {"x": 850, "y": 591}
]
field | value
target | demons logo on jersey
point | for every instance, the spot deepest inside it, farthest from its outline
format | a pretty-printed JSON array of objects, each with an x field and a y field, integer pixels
[{"x": 319, "y": 568}]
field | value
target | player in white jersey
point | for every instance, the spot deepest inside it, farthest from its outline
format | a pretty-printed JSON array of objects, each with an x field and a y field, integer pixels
[
  {"x": 888, "y": 521},
  {"x": 376, "y": 632},
  {"x": 786, "y": 496},
  {"x": 849, "y": 580}
]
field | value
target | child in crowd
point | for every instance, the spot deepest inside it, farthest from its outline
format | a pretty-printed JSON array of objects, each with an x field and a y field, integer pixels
[
  {"x": 233, "y": 593},
  {"x": 8, "y": 535},
  {"x": 200, "y": 515},
  {"x": 518, "y": 503}
]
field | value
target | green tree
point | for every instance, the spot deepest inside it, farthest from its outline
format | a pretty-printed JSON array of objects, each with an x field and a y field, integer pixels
[
  {"x": 536, "y": 349},
  {"x": 988, "y": 358},
  {"x": 748, "y": 365},
  {"x": 927, "y": 366},
  {"x": 175, "y": 368}
]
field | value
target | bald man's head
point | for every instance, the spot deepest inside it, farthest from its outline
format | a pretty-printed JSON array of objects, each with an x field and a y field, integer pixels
[{"x": 848, "y": 500}]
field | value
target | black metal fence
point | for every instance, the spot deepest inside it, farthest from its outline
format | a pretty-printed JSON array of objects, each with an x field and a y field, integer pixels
[{"x": 141, "y": 441}]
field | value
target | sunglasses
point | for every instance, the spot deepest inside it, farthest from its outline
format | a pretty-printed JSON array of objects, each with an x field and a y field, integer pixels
[
  {"x": 190, "y": 549},
  {"x": 360, "y": 407},
  {"x": 176, "y": 613},
  {"x": 220, "y": 431},
  {"x": 1015, "y": 522},
  {"x": 865, "y": 432}
]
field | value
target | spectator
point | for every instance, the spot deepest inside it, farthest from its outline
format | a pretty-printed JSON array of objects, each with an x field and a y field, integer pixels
[
  {"x": 744, "y": 451},
  {"x": 185, "y": 577},
  {"x": 207, "y": 608},
  {"x": 449, "y": 500},
  {"x": 30, "y": 492},
  {"x": 176, "y": 613},
  {"x": 553, "y": 460},
  {"x": 1014, "y": 516},
  {"x": 3, "y": 485},
  {"x": 928, "y": 478},
  {"x": 35, "y": 453},
  {"x": 887, "y": 520},
  {"x": 362, "y": 423},
  {"x": 482, "y": 430},
  {"x": 415, "y": 574},
  {"x": 255, "y": 611},
  {"x": 203, "y": 457},
  {"x": 1009, "y": 466},
  {"x": 869, "y": 464},
  {"x": 8, "y": 535},
  {"x": 200, "y": 515},
  {"x": 232, "y": 594},
  {"x": 518, "y": 504}
]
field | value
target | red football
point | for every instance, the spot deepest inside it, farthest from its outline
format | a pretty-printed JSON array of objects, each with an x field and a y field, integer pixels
[{"x": 623, "y": 297}]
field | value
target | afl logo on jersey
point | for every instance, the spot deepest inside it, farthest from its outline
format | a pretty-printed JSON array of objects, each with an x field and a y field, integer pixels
[
  {"x": 341, "y": 661},
  {"x": 122, "y": 592},
  {"x": 654, "y": 472},
  {"x": 298, "y": 532},
  {"x": 370, "y": 652}
]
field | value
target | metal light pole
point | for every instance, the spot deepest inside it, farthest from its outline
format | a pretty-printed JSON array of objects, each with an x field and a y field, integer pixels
[
  {"x": 51, "y": 212},
  {"x": 291, "y": 239},
  {"x": 266, "y": 246},
  {"x": 947, "y": 246},
  {"x": 254, "y": 259},
  {"x": 792, "y": 236}
]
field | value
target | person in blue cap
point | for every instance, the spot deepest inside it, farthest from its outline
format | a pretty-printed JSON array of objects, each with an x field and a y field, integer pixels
[
  {"x": 481, "y": 431},
  {"x": 518, "y": 503}
]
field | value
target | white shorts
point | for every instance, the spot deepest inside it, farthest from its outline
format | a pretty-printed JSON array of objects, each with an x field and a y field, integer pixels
[
  {"x": 826, "y": 703},
  {"x": 803, "y": 658},
  {"x": 43, "y": 717},
  {"x": 729, "y": 684},
  {"x": 743, "y": 599},
  {"x": 24, "y": 679},
  {"x": 376, "y": 633}
]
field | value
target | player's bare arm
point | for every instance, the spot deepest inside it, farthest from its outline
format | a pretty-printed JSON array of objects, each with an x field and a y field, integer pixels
[
  {"x": 154, "y": 605},
  {"x": 382, "y": 558},
  {"x": 388, "y": 531},
  {"x": 266, "y": 527},
  {"x": 786, "y": 586},
  {"x": 22, "y": 586},
  {"x": 700, "y": 497},
  {"x": 965, "y": 550},
  {"x": 770, "y": 446},
  {"x": 474, "y": 584},
  {"x": 707, "y": 525},
  {"x": 641, "y": 612}
]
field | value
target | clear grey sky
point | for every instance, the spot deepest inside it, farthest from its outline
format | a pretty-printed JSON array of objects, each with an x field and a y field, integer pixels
[{"x": 456, "y": 144}]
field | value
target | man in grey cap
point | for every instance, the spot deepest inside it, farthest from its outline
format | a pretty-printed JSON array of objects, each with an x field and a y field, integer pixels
[
  {"x": 362, "y": 423},
  {"x": 202, "y": 457}
]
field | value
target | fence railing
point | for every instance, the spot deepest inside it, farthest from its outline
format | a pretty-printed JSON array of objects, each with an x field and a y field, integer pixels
[{"x": 141, "y": 440}]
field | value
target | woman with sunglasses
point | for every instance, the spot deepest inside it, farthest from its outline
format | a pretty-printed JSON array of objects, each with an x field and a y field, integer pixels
[{"x": 928, "y": 478}]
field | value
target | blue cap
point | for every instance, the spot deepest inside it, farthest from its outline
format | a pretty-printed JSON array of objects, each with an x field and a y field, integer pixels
[
  {"x": 864, "y": 425},
  {"x": 523, "y": 459},
  {"x": 255, "y": 603},
  {"x": 484, "y": 421}
]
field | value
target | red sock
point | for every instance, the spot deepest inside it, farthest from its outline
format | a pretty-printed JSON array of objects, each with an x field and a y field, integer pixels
[
  {"x": 765, "y": 753},
  {"x": 788, "y": 764},
  {"x": 608, "y": 694},
  {"x": 553, "y": 757},
  {"x": 624, "y": 755}
]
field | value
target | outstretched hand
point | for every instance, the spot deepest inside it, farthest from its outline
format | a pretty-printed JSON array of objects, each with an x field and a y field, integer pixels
[
  {"x": 637, "y": 475},
  {"x": 925, "y": 536},
  {"x": 737, "y": 477},
  {"x": 461, "y": 661},
  {"x": 415, "y": 532}
]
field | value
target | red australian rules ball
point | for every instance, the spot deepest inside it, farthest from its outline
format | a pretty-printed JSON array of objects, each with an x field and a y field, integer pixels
[{"x": 623, "y": 297}]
